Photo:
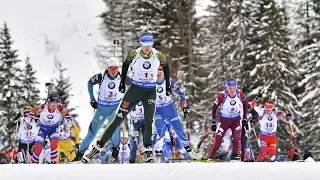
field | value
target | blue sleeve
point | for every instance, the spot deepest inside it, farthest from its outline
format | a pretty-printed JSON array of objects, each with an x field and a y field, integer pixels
[
  {"x": 96, "y": 79},
  {"x": 177, "y": 90},
  {"x": 90, "y": 90}
]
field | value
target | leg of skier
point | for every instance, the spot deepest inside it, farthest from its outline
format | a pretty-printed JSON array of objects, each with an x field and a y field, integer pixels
[
  {"x": 54, "y": 138},
  {"x": 39, "y": 141},
  {"x": 129, "y": 101},
  {"x": 101, "y": 114},
  {"x": 224, "y": 126},
  {"x": 263, "y": 148},
  {"x": 171, "y": 114},
  {"x": 149, "y": 104},
  {"x": 159, "y": 135},
  {"x": 236, "y": 134}
]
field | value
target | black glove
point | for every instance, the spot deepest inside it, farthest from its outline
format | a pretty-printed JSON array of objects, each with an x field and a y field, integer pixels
[
  {"x": 185, "y": 111},
  {"x": 245, "y": 124},
  {"x": 14, "y": 121},
  {"x": 259, "y": 95},
  {"x": 288, "y": 114},
  {"x": 168, "y": 89},
  {"x": 94, "y": 104},
  {"x": 214, "y": 125},
  {"x": 252, "y": 120},
  {"x": 122, "y": 87}
]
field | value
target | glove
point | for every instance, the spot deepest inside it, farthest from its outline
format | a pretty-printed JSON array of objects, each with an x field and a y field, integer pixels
[
  {"x": 122, "y": 87},
  {"x": 252, "y": 120},
  {"x": 94, "y": 104},
  {"x": 214, "y": 125},
  {"x": 168, "y": 90},
  {"x": 288, "y": 113},
  {"x": 245, "y": 124},
  {"x": 259, "y": 95},
  {"x": 185, "y": 111}
]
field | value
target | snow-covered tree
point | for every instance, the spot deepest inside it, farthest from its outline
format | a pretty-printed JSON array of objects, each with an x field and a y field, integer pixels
[
  {"x": 63, "y": 86},
  {"x": 274, "y": 69},
  {"x": 306, "y": 41},
  {"x": 10, "y": 85},
  {"x": 31, "y": 93},
  {"x": 117, "y": 25}
]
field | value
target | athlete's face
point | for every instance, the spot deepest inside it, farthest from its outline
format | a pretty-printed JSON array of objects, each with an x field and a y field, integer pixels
[
  {"x": 124, "y": 140},
  {"x": 113, "y": 71},
  {"x": 53, "y": 105},
  {"x": 232, "y": 90},
  {"x": 146, "y": 49},
  {"x": 268, "y": 111},
  {"x": 160, "y": 76}
]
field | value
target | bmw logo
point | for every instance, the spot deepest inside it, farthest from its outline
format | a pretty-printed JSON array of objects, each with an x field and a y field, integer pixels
[
  {"x": 140, "y": 103},
  {"x": 50, "y": 116},
  {"x": 146, "y": 65},
  {"x": 160, "y": 89},
  {"x": 232, "y": 102},
  {"x": 270, "y": 118},
  {"x": 111, "y": 85}
]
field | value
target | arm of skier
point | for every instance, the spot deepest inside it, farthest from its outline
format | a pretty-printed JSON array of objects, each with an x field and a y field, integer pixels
[
  {"x": 216, "y": 104},
  {"x": 178, "y": 90},
  {"x": 125, "y": 66},
  {"x": 166, "y": 71},
  {"x": 96, "y": 79},
  {"x": 245, "y": 104}
]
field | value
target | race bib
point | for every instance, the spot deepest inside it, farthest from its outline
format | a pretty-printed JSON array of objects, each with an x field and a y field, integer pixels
[
  {"x": 29, "y": 135},
  {"x": 269, "y": 127},
  {"x": 146, "y": 76},
  {"x": 110, "y": 95}
]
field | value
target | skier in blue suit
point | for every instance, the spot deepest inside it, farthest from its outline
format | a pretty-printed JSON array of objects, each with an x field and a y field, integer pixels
[
  {"x": 165, "y": 110},
  {"x": 109, "y": 99}
]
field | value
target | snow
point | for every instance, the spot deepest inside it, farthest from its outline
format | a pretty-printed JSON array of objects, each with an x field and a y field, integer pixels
[
  {"x": 64, "y": 29},
  {"x": 172, "y": 171},
  {"x": 310, "y": 95}
]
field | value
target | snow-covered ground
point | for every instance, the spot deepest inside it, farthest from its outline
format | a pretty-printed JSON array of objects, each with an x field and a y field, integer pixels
[
  {"x": 173, "y": 171},
  {"x": 66, "y": 29}
]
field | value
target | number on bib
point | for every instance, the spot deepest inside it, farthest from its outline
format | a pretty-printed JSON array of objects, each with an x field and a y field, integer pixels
[
  {"x": 110, "y": 95},
  {"x": 146, "y": 76}
]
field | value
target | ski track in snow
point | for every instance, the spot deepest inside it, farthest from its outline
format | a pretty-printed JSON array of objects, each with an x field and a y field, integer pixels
[{"x": 171, "y": 171}]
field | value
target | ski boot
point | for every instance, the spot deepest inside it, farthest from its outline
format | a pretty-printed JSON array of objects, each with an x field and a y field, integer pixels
[
  {"x": 192, "y": 154},
  {"x": 158, "y": 154},
  {"x": 115, "y": 155},
  {"x": 94, "y": 153},
  {"x": 147, "y": 155}
]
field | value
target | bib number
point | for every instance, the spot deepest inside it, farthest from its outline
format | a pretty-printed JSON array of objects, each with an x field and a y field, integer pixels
[
  {"x": 29, "y": 135},
  {"x": 269, "y": 127},
  {"x": 162, "y": 98},
  {"x": 146, "y": 76},
  {"x": 110, "y": 95}
]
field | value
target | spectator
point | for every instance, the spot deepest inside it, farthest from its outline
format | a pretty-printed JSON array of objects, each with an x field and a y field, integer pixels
[{"x": 307, "y": 153}]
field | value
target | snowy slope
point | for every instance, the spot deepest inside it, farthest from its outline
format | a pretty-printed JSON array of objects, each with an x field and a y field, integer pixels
[
  {"x": 66, "y": 29},
  {"x": 174, "y": 171}
]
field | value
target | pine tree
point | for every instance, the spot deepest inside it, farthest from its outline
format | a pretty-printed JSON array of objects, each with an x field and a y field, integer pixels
[
  {"x": 307, "y": 46},
  {"x": 117, "y": 25},
  {"x": 29, "y": 85},
  {"x": 63, "y": 87},
  {"x": 10, "y": 85},
  {"x": 275, "y": 68}
]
